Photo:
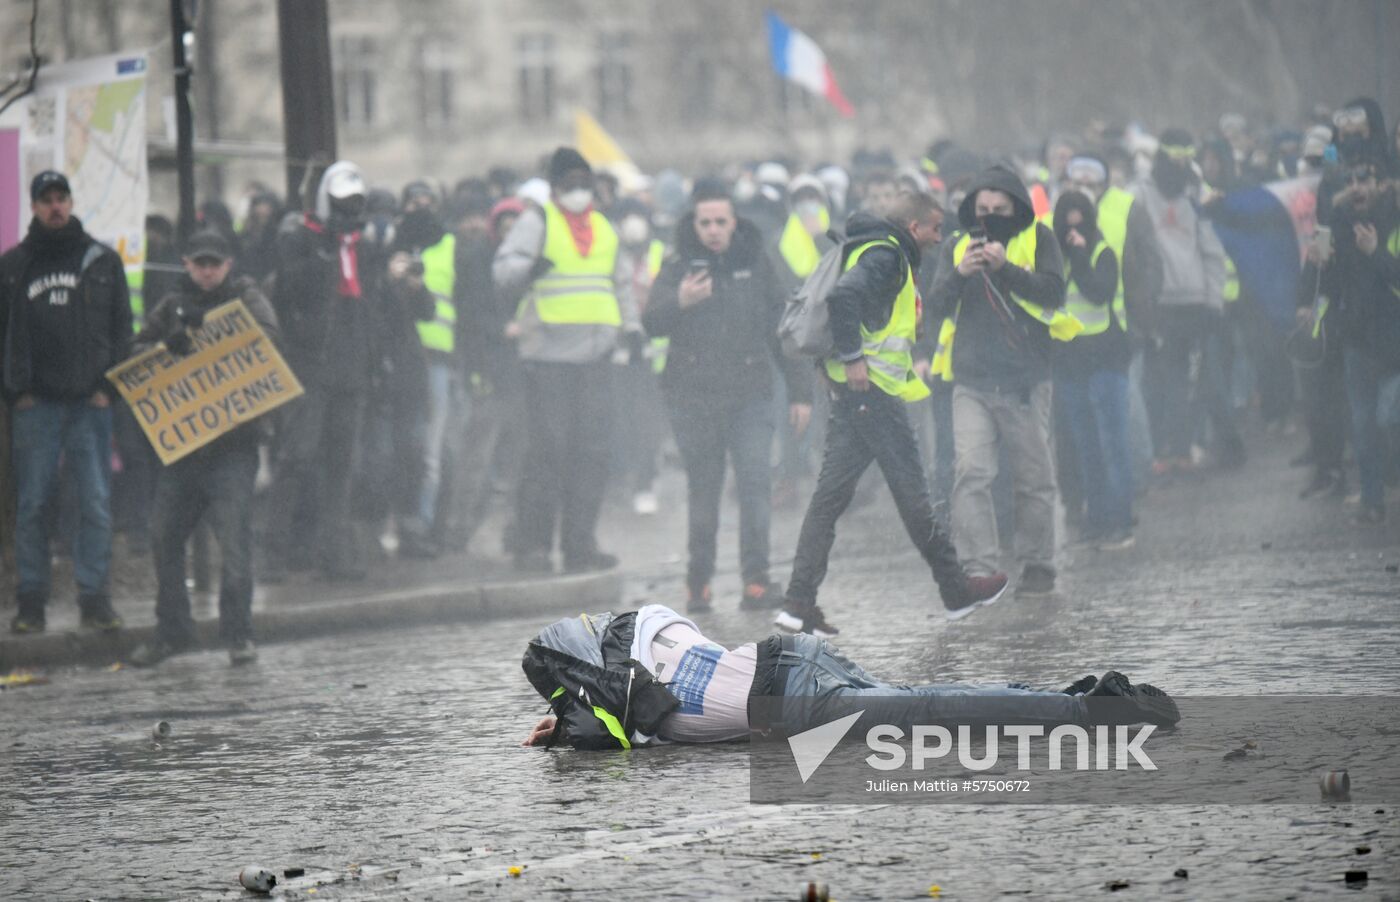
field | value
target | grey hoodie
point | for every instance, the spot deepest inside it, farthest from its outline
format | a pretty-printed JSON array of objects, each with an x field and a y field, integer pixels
[{"x": 1193, "y": 261}]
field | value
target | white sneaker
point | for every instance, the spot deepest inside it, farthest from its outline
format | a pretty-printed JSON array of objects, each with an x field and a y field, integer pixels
[{"x": 645, "y": 503}]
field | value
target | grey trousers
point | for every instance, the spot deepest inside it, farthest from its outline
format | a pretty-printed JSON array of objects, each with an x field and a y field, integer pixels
[{"x": 983, "y": 420}]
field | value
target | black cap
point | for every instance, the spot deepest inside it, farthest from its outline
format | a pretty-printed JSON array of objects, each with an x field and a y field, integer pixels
[
  {"x": 710, "y": 188},
  {"x": 47, "y": 179},
  {"x": 417, "y": 188},
  {"x": 208, "y": 244},
  {"x": 564, "y": 161}
]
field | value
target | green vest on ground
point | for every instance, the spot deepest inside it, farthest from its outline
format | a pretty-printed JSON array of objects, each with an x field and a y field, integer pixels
[
  {"x": 1021, "y": 252},
  {"x": 798, "y": 247},
  {"x": 578, "y": 290},
  {"x": 889, "y": 352},
  {"x": 440, "y": 277},
  {"x": 1096, "y": 318},
  {"x": 135, "y": 287}
]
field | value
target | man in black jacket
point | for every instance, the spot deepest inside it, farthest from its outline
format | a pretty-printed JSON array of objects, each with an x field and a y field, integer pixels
[
  {"x": 329, "y": 301},
  {"x": 718, "y": 298},
  {"x": 873, "y": 313},
  {"x": 65, "y": 319},
  {"x": 215, "y": 482}
]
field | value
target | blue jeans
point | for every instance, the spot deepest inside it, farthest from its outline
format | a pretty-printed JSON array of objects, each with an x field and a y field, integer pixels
[
  {"x": 825, "y": 685},
  {"x": 1373, "y": 391},
  {"x": 1097, "y": 405},
  {"x": 81, "y": 435},
  {"x": 704, "y": 433}
]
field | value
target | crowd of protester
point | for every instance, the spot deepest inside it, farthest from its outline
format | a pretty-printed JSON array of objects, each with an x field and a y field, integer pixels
[{"x": 516, "y": 343}]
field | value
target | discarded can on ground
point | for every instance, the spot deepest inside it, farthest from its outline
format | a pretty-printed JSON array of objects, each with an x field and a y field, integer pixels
[
  {"x": 161, "y": 731},
  {"x": 258, "y": 879},
  {"x": 814, "y": 892},
  {"x": 1336, "y": 786}
]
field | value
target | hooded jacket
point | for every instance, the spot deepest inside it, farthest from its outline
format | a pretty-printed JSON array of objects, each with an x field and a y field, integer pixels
[
  {"x": 1193, "y": 260},
  {"x": 1096, "y": 280},
  {"x": 65, "y": 314},
  {"x": 865, "y": 293},
  {"x": 594, "y": 672},
  {"x": 722, "y": 349},
  {"x": 989, "y": 355},
  {"x": 330, "y": 339}
]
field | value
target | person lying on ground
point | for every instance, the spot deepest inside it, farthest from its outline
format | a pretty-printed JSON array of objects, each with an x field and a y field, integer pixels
[{"x": 615, "y": 681}]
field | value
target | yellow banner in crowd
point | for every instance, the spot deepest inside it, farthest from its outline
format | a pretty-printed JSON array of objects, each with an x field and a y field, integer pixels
[{"x": 233, "y": 376}]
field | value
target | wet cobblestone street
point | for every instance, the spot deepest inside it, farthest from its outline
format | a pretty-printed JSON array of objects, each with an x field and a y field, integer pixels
[{"x": 387, "y": 764}]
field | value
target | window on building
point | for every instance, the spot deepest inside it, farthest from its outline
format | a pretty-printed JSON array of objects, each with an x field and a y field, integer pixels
[
  {"x": 535, "y": 67},
  {"x": 437, "y": 77},
  {"x": 696, "y": 79},
  {"x": 615, "y": 74},
  {"x": 357, "y": 80}
]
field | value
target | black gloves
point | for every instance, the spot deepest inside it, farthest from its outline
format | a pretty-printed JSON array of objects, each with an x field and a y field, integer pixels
[{"x": 178, "y": 342}]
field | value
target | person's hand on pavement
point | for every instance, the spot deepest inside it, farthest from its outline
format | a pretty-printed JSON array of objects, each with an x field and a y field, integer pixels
[{"x": 541, "y": 732}]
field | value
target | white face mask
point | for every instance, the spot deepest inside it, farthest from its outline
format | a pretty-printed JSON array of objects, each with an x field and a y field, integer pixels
[
  {"x": 577, "y": 200},
  {"x": 810, "y": 212},
  {"x": 634, "y": 230}
]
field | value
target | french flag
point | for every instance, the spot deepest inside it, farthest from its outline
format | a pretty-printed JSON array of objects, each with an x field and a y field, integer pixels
[{"x": 797, "y": 58}]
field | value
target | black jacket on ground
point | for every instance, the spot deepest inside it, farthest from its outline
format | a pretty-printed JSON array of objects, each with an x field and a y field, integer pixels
[
  {"x": 65, "y": 314},
  {"x": 164, "y": 321},
  {"x": 723, "y": 347},
  {"x": 987, "y": 354},
  {"x": 865, "y": 293}
]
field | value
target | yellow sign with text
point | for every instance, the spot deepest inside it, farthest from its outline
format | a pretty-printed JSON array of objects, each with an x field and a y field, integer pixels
[{"x": 233, "y": 376}]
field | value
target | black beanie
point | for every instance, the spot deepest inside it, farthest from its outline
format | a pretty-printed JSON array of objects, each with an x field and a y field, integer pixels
[
  {"x": 709, "y": 188},
  {"x": 564, "y": 161}
]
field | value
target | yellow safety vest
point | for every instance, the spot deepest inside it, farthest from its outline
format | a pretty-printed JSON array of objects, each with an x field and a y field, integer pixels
[
  {"x": 889, "y": 352},
  {"x": 135, "y": 287},
  {"x": 1114, "y": 207},
  {"x": 1231, "y": 291},
  {"x": 1021, "y": 252},
  {"x": 1393, "y": 246},
  {"x": 577, "y": 290},
  {"x": 798, "y": 247},
  {"x": 440, "y": 277},
  {"x": 1094, "y": 317},
  {"x": 656, "y": 254}
]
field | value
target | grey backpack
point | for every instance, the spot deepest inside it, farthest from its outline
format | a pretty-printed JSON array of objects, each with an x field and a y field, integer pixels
[{"x": 805, "y": 329}]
